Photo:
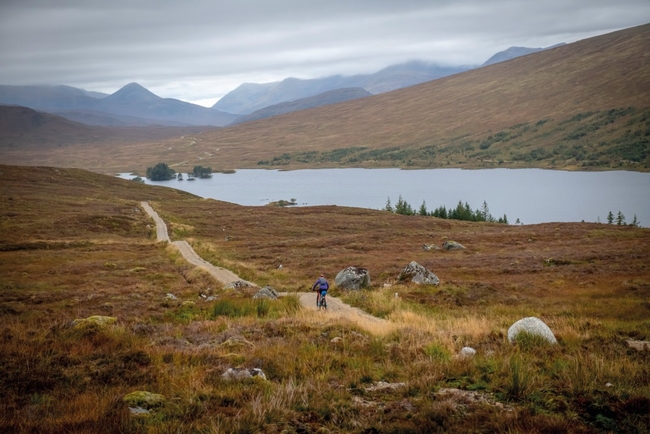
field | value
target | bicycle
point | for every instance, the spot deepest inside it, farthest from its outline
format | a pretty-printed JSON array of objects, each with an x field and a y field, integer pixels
[{"x": 321, "y": 300}]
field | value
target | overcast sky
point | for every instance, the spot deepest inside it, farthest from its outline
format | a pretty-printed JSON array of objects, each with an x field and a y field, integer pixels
[{"x": 199, "y": 50}]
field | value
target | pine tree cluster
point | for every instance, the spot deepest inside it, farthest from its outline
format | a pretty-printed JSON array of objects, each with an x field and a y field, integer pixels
[{"x": 461, "y": 212}]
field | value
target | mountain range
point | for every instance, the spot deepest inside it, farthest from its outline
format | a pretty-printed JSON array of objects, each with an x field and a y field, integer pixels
[
  {"x": 250, "y": 97},
  {"x": 133, "y": 105},
  {"x": 579, "y": 106}
]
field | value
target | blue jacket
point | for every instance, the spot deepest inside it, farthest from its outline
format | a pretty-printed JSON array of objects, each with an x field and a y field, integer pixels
[{"x": 322, "y": 284}]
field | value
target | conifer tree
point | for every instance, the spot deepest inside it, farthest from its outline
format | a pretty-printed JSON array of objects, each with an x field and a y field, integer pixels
[
  {"x": 423, "y": 208},
  {"x": 388, "y": 206}
]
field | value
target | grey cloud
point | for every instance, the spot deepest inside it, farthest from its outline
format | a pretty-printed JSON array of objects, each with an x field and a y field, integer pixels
[{"x": 202, "y": 49}]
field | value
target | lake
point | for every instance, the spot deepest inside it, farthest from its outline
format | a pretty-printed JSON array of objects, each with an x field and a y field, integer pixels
[{"x": 531, "y": 195}]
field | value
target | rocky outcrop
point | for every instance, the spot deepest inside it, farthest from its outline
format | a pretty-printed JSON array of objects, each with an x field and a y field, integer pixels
[
  {"x": 416, "y": 273},
  {"x": 267, "y": 292},
  {"x": 354, "y": 278},
  {"x": 452, "y": 245},
  {"x": 533, "y": 326}
]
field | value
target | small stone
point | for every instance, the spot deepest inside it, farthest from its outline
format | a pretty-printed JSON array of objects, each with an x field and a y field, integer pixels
[
  {"x": 336, "y": 340},
  {"x": 452, "y": 245},
  {"x": 95, "y": 320},
  {"x": 242, "y": 374},
  {"x": 609, "y": 385},
  {"x": 143, "y": 399},
  {"x": 467, "y": 352},
  {"x": 138, "y": 411},
  {"x": 170, "y": 296}
]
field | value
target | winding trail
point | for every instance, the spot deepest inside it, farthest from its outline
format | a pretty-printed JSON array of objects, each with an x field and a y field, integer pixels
[
  {"x": 335, "y": 307},
  {"x": 221, "y": 274}
]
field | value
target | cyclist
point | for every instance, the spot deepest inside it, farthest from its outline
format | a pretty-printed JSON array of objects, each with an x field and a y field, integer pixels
[{"x": 322, "y": 286}]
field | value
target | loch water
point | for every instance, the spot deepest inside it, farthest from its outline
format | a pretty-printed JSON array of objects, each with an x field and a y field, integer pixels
[{"x": 530, "y": 195}]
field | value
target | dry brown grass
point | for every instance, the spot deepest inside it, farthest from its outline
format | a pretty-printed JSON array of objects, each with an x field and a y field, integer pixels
[{"x": 74, "y": 246}]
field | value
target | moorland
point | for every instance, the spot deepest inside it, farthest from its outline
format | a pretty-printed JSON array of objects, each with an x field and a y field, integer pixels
[{"x": 76, "y": 244}]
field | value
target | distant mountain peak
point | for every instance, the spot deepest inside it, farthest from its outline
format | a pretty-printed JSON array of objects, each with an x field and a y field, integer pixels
[
  {"x": 513, "y": 52},
  {"x": 133, "y": 92}
]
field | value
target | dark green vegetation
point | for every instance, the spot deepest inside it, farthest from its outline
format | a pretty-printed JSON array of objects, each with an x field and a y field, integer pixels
[
  {"x": 461, "y": 212},
  {"x": 160, "y": 172},
  {"x": 202, "y": 172},
  {"x": 74, "y": 244},
  {"x": 609, "y": 139}
]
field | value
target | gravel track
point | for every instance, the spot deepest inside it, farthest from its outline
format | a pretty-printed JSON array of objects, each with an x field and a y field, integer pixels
[{"x": 335, "y": 306}]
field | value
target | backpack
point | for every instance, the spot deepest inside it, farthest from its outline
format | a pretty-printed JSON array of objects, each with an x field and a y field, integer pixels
[{"x": 322, "y": 284}]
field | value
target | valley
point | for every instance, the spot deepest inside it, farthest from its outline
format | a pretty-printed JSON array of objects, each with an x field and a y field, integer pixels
[{"x": 106, "y": 327}]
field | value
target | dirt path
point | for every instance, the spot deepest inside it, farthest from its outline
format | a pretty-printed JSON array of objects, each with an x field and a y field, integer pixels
[
  {"x": 161, "y": 227},
  {"x": 335, "y": 307},
  {"x": 221, "y": 274}
]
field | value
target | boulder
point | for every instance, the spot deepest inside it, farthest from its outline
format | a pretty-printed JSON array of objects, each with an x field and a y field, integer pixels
[
  {"x": 452, "y": 245},
  {"x": 267, "y": 292},
  {"x": 416, "y": 273},
  {"x": 243, "y": 373},
  {"x": 353, "y": 278},
  {"x": 533, "y": 326}
]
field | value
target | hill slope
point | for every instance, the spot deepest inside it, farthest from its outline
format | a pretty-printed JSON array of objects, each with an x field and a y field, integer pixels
[
  {"x": 555, "y": 100},
  {"x": 580, "y": 106}
]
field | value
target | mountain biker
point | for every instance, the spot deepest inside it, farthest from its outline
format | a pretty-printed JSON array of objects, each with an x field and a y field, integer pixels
[{"x": 322, "y": 286}]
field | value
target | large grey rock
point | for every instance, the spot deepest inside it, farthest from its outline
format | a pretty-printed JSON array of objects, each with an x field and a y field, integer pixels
[
  {"x": 416, "y": 273},
  {"x": 353, "y": 278},
  {"x": 267, "y": 292},
  {"x": 533, "y": 326}
]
